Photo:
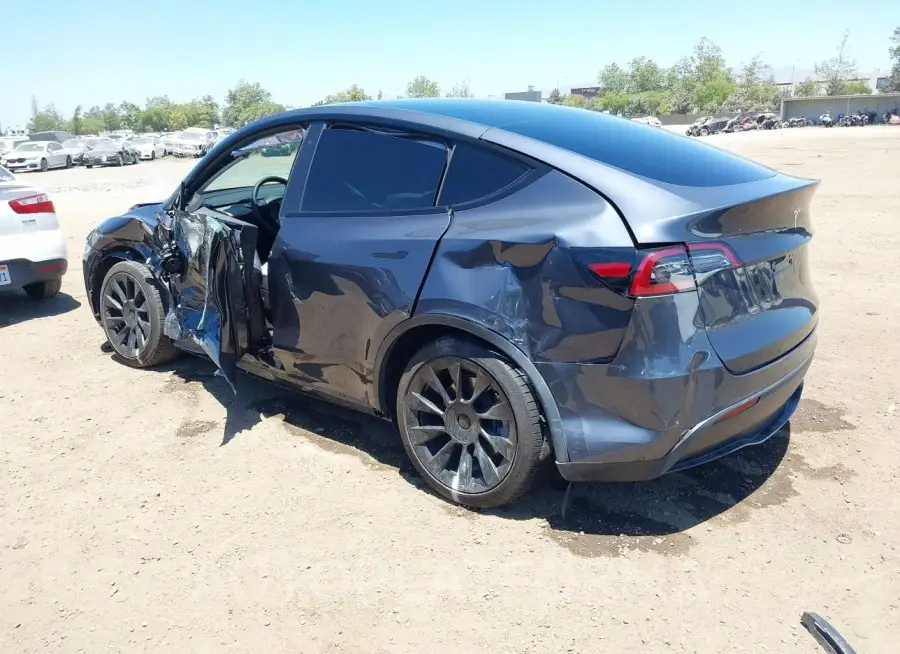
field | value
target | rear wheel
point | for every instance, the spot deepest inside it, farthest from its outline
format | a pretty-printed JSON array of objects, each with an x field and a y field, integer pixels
[
  {"x": 704, "y": 132},
  {"x": 132, "y": 315},
  {"x": 43, "y": 290},
  {"x": 469, "y": 423}
]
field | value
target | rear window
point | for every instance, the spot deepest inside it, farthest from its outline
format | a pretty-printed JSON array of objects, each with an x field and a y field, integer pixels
[
  {"x": 642, "y": 150},
  {"x": 475, "y": 173}
]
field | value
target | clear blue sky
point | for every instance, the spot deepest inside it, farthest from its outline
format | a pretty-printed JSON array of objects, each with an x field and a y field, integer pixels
[{"x": 96, "y": 51}]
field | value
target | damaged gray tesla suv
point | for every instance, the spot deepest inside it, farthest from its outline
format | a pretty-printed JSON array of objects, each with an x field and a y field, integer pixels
[{"x": 510, "y": 282}]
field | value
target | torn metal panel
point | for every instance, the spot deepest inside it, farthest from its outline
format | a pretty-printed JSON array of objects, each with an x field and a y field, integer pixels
[{"x": 208, "y": 292}]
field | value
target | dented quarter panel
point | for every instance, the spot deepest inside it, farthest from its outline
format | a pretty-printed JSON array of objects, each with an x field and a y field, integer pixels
[{"x": 508, "y": 266}]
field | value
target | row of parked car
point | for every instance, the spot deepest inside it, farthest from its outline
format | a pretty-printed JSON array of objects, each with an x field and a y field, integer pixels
[{"x": 57, "y": 149}]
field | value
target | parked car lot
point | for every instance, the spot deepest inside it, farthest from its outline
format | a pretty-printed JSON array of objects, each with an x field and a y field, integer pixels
[{"x": 159, "y": 498}]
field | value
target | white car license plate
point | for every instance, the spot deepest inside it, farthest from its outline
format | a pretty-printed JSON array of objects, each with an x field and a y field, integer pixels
[
  {"x": 4, "y": 276},
  {"x": 30, "y": 225}
]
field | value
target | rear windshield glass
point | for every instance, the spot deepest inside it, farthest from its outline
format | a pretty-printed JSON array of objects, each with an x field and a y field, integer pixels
[{"x": 650, "y": 152}]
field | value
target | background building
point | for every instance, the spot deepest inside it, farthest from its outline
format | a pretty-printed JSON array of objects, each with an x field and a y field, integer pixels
[
  {"x": 530, "y": 95},
  {"x": 814, "y": 107}
]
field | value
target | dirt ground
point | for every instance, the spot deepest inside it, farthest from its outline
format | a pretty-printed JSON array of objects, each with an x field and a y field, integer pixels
[{"x": 153, "y": 510}]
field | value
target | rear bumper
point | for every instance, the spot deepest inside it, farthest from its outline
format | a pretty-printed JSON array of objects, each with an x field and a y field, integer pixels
[
  {"x": 23, "y": 272},
  {"x": 708, "y": 441},
  {"x": 667, "y": 402}
]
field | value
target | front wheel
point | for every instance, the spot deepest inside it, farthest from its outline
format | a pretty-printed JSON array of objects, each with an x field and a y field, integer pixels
[
  {"x": 153, "y": 155},
  {"x": 469, "y": 423},
  {"x": 119, "y": 160},
  {"x": 43, "y": 290},
  {"x": 68, "y": 162},
  {"x": 704, "y": 132},
  {"x": 132, "y": 315},
  {"x": 44, "y": 165}
]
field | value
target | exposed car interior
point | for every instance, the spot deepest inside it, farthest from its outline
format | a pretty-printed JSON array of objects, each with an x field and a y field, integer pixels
[{"x": 250, "y": 189}]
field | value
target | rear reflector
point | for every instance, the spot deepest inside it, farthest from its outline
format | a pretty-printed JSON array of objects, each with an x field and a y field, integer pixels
[
  {"x": 667, "y": 270},
  {"x": 740, "y": 408},
  {"x": 39, "y": 203}
]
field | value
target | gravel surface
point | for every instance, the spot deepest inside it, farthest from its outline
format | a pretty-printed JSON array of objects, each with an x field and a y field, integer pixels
[{"x": 152, "y": 510}]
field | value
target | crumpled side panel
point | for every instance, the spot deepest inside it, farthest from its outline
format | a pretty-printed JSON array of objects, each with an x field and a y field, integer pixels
[{"x": 196, "y": 314}]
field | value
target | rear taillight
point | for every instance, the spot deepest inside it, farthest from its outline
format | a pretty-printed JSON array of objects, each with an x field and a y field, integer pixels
[
  {"x": 39, "y": 203},
  {"x": 667, "y": 270}
]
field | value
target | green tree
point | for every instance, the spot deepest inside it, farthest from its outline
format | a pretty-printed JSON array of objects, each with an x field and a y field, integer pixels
[
  {"x": 155, "y": 119},
  {"x": 807, "y": 88},
  {"x": 76, "y": 125},
  {"x": 555, "y": 96},
  {"x": 755, "y": 88},
  {"x": 260, "y": 110},
  {"x": 178, "y": 119},
  {"x": 613, "y": 102},
  {"x": 351, "y": 94},
  {"x": 208, "y": 111},
  {"x": 613, "y": 79},
  {"x": 240, "y": 99},
  {"x": 714, "y": 82},
  {"x": 422, "y": 87},
  {"x": 47, "y": 119},
  {"x": 645, "y": 75},
  {"x": 893, "y": 83},
  {"x": 460, "y": 90},
  {"x": 838, "y": 70},
  {"x": 130, "y": 115},
  {"x": 859, "y": 87},
  {"x": 111, "y": 118},
  {"x": 574, "y": 100}
]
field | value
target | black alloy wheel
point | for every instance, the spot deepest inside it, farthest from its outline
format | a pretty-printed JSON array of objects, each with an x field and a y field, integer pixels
[
  {"x": 469, "y": 423},
  {"x": 132, "y": 315}
]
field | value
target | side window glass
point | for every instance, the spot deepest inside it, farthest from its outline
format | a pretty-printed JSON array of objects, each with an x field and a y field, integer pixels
[
  {"x": 271, "y": 156},
  {"x": 476, "y": 173},
  {"x": 355, "y": 170},
  {"x": 53, "y": 147}
]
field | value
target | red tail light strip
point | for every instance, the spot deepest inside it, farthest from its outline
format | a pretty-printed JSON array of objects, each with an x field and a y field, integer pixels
[{"x": 39, "y": 203}]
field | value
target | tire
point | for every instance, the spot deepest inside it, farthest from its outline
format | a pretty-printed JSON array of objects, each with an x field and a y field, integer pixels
[
  {"x": 43, "y": 290},
  {"x": 44, "y": 166},
  {"x": 68, "y": 162},
  {"x": 704, "y": 132},
  {"x": 88, "y": 166},
  {"x": 506, "y": 466},
  {"x": 141, "y": 315},
  {"x": 135, "y": 159},
  {"x": 153, "y": 155},
  {"x": 119, "y": 160}
]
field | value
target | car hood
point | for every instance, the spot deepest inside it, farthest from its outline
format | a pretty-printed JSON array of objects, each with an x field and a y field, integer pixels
[
  {"x": 105, "y": 150},
  {"x": 27, "y": 154}
]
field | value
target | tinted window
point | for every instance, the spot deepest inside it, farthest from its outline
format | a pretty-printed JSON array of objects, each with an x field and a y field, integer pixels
[
  {"x": 355, "y": 170},
  {"x": 642, "y": 150},
  {"x": 475, "y": 173}
]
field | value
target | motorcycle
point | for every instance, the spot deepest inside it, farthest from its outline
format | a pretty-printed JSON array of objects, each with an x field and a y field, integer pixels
[{"x": 826, "y": 120}]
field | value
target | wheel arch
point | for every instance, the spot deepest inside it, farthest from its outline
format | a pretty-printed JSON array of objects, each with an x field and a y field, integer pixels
[
  {"x": 107, "y": 260},
  {"x": 405, "y": 339}
]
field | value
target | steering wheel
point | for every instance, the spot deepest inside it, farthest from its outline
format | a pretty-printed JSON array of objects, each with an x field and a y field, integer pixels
[{"x": 254, "y": 196}]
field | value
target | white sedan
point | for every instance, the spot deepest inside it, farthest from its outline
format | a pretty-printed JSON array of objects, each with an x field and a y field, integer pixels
[
  {"x": 37, "y": 155},
  {"x": 32, "y": 246},
  {"x": 150, "y": 148}
]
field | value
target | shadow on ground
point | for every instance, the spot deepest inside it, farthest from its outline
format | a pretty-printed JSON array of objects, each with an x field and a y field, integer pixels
[
  {"x": 16, "y": 307},
  {"x": 601, "y": 519}
]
